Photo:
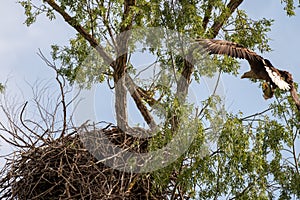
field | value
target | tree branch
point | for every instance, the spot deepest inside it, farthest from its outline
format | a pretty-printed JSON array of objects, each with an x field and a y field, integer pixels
[
  {"x": 135, "y": 94},
  {"x": 71, "y": 21},
  {"x": 207, "y": 14},
  {"x": 94, "y": 43},
  {"x": 219, "y": 22},
  {"x": 188, "y": 68},
  {"x": 121, "y": 65}
]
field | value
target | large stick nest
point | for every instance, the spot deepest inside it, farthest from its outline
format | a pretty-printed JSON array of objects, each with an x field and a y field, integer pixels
[{"x": 65, "y": 169}]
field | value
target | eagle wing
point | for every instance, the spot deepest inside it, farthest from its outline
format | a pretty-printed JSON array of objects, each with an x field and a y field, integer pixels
[
  {"x": 262, "y": 68},
  {"x": 231, "y": 49}
]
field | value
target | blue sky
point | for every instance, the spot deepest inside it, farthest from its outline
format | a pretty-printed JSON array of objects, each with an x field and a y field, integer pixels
[{"x": 20, "y": 63}]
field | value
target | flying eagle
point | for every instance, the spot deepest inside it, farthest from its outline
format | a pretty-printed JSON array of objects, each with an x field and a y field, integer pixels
[{"x": 261, "y": 68}]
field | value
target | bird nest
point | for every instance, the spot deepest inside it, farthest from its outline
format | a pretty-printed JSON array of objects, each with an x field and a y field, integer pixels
[{"x": 64, "y": 169}]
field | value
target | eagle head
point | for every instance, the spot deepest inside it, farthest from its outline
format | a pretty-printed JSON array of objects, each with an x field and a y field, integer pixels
[{"x": 250, "y": 75}]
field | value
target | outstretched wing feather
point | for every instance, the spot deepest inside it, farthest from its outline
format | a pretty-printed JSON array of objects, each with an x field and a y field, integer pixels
[{"x": 228, "y": 48}]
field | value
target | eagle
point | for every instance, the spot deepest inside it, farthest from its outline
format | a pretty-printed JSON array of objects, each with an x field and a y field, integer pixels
[{"x": 261, "y": 68}]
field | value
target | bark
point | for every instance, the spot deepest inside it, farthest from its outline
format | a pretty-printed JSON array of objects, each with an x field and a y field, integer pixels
[
  {"x": 120, "y": 71},
  {"x": 185, "y": 79},
  {"x": 136, "y": 95},
  {"x": 121, "y": 93}
]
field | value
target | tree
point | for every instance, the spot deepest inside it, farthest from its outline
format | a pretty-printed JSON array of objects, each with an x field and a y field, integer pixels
[{"x": 246, "y": 160}]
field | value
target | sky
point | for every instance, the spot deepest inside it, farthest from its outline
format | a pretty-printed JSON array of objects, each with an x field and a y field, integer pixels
[{"x": 21, "y": 67}]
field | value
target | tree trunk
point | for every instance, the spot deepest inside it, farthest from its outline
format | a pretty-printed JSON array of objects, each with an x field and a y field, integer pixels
[
  {"x": 121, "y": 93},
  {"x": 120, "y": 70}
]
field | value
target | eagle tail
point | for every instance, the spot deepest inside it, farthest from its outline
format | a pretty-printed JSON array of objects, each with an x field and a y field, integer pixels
[{"x": 295, "y": 97}]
